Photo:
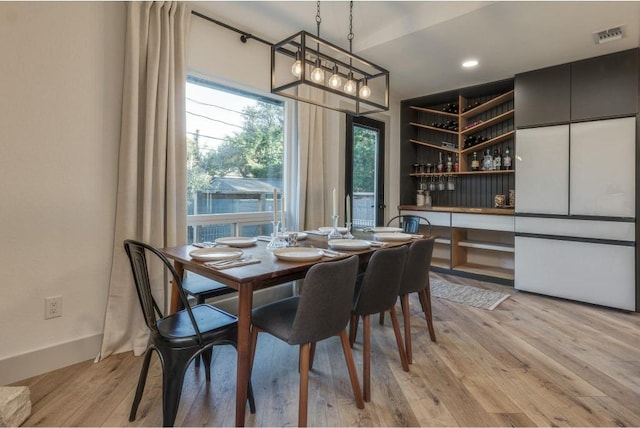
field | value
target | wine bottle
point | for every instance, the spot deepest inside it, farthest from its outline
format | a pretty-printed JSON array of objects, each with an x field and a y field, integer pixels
[
  {"x": 506, "y": 161},
  {"x": 475, "y": 163},
  {"x": 456, "y": 165},
  {"x": 487, "y": 161},
  {"x": 440, "y": 165},
  {"x": 497, "y": 159},
  {"x": 449, "y": 163}
]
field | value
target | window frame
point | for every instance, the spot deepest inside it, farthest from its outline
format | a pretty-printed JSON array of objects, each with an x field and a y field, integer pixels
[{"x": 240, "y": 219}]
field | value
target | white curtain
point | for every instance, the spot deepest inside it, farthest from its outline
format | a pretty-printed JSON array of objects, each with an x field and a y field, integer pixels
[
  {"x": 311, "y": 207},
  {"x": 151, "y": 200}
]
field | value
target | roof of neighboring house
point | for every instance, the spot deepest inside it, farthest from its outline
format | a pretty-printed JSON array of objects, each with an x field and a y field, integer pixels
[{"x": 244, "y": 185}]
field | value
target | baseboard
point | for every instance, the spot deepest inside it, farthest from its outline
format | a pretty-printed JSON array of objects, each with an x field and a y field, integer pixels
[{"x": 24, "y": 366}]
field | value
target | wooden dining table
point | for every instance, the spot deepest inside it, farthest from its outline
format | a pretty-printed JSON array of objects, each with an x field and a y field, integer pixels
[{"x": 247, "y": 279}]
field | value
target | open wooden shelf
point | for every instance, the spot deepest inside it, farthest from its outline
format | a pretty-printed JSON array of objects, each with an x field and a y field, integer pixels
[
  {"x": 432, "y": 111},
  {"x": 485, "y": 270},
  {"x": 441, "y": 263},
  {"x": 487, "y": 123},
  {"x": 444, "y": 241},
  {"x": 435, "y": 146},
  {"x": 488, "y": 105},
  {"x": 437, "y": 174},
  {"x": 433, "y": 128},
  {"x": 493, "y": 246},
  {"x": 488, "y": 143}
]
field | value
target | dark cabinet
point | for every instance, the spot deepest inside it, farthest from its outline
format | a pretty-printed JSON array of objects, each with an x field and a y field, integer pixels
[
  {"x": 542, "y": 97},
  {"x": 605, "y": 86}
]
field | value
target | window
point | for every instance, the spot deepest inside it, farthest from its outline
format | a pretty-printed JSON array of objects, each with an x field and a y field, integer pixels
[{"x": 235, "y": 158}]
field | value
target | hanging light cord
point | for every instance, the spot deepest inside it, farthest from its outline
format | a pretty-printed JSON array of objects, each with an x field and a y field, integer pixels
[
  {"x": 350, "y": 35},
  {"x": 318, "y": 18}
]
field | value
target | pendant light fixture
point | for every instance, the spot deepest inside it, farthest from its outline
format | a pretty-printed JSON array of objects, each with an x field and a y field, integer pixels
[{"x": 304, "y": 61}]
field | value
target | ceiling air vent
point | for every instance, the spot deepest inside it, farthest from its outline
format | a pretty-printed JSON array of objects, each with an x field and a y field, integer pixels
[{"x": 608, "y": 35}]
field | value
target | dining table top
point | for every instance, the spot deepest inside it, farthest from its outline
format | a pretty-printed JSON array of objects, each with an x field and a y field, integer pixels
[{"x": 272, "y": 270}]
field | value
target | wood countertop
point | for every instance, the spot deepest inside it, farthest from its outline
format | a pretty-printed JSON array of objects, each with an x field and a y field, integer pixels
[{"x": 465, "y": 210}]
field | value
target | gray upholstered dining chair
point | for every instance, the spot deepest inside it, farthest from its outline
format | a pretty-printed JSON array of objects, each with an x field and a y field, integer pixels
[
  {"x": 322, "y": 310},
  {"x": 415, "y": 279},
  {"x": 377, "y": 293}
]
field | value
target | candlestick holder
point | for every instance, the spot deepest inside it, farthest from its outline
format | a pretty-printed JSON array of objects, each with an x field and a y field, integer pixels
[
  {"x": 348, "y": 234},
  {"x": 276, "y": 240},
  {"x": 334, "y": 232}
]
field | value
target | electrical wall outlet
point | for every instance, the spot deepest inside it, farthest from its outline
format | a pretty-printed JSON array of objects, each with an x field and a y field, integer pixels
[{"x": 52, "y": 307}]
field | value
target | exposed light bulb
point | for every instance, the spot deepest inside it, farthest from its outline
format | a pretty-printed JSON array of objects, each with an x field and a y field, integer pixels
[
  {"x": 317, "y": 75},
  {"x": 350, "y": 86},
  {"x": 335, "y": 81},
  {"x": 296, "y": 68},
  {"x": 365, "y": 92}
]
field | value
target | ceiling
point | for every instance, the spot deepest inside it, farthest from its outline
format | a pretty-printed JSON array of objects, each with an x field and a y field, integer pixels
[{"x": 422, "y": 43}]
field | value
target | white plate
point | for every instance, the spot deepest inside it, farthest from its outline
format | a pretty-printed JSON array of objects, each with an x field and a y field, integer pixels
[
  {"x": 394, "y": 236},
  {"x": 348, "y": 244},
  {"x": 216, "y": 253},
  {"x": 237, "y": 241},
  {"x": 386, "y": 229},
  {"x": 301, "y": 235},
  {"x": 298, "y": 254},
  {"x": 328, "y": 229}
]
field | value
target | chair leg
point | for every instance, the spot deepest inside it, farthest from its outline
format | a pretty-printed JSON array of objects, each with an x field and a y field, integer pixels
[
  {"x": 174, "y": 367},
  {"x": 406, "y": 314},
  {"x": 425, "y": 299},
  {"x": 252, "y": 350},
  {"x": 200, "y": 300},
  {"x": 353, "y": 329},
  {"x": 351, "y": 367},
  {"x": 206, "y": 361},
  {"x": 396, "y": 331},
  {"x": 141, "y": 382},
  {"x": 304, "y": 385},
  {"x": 381, "y": 318},
  {"x": 312, "y": 353},
  {"x": 366, "y": 357}
]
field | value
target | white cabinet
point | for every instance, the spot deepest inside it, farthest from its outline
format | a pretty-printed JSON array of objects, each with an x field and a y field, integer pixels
[
  {"x": 602, "y": 168},
  {"x": 542, "y": 178},
  {"x": 588, "y": 272}
]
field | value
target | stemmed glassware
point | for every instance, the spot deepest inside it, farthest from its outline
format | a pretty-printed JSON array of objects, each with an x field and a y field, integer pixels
[
  {"x": 277, "y": 240},
  {"x": 335, "y": 234}
]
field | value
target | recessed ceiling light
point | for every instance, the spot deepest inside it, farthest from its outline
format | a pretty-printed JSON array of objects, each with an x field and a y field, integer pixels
[{"x": 470, "y": 63}]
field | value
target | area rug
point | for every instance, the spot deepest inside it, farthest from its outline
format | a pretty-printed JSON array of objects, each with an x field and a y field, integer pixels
[{"x": 465, "y": 294}]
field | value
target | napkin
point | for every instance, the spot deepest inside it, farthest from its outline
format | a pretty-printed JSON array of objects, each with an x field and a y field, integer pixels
[
  {"x": 331, "y": 253},
  {"x": 264, "y": 238},
  {"x": 228, "y": 264}
]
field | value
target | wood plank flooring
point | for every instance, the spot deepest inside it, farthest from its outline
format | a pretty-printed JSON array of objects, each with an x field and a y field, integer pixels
[{"x": 533, "y": 361}]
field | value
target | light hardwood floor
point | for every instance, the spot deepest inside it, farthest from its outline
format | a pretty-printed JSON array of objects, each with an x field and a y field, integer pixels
[{"x": 533, "y": 361}]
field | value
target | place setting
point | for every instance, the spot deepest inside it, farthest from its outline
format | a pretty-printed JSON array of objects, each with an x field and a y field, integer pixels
[{"x": 222, "y": 257}]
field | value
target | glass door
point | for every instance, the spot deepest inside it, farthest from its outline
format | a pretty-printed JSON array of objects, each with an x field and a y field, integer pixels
[{"x": 364, "y": 175}]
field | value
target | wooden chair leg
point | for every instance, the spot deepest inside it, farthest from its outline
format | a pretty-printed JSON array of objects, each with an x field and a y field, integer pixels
[
  {"x": 381, "y": 318},
  {"x": 351, "y": 367},
  {"x": 353, "y": 329},
  {"x": 312, "y": 353},
  {"x": 396, "y": 331},
  {"x": 304, "y": 385},
  {"x": 253, "y": 344},
  {"x": 366, "y": 357},
  {"x": 425, "y": 299},
  {"x": 406, "y": 314}
]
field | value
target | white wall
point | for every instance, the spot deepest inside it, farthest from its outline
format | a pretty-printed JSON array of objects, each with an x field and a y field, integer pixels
[{"x": 60, "y": 104}]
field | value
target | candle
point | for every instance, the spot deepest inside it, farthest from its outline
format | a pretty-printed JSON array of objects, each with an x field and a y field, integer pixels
[
  {"x": 335, "y": 202},
  {"x": 348, "y": 209},
  {"x": 275, "y": 205},
  {"x": 282, "y": 213}
]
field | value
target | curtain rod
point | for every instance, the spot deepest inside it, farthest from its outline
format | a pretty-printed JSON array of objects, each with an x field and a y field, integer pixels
[{"x": 244, "y": 36}]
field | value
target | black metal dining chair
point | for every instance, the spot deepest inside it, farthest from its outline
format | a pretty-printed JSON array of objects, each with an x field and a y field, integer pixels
[
  {"x": 377, "y": 293},
  {"x": 321, "y": 311},
  {"x": 415, "y": 279},
  {"x": 177, "y": 338},
  {"x": 410, "y": 223}
]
